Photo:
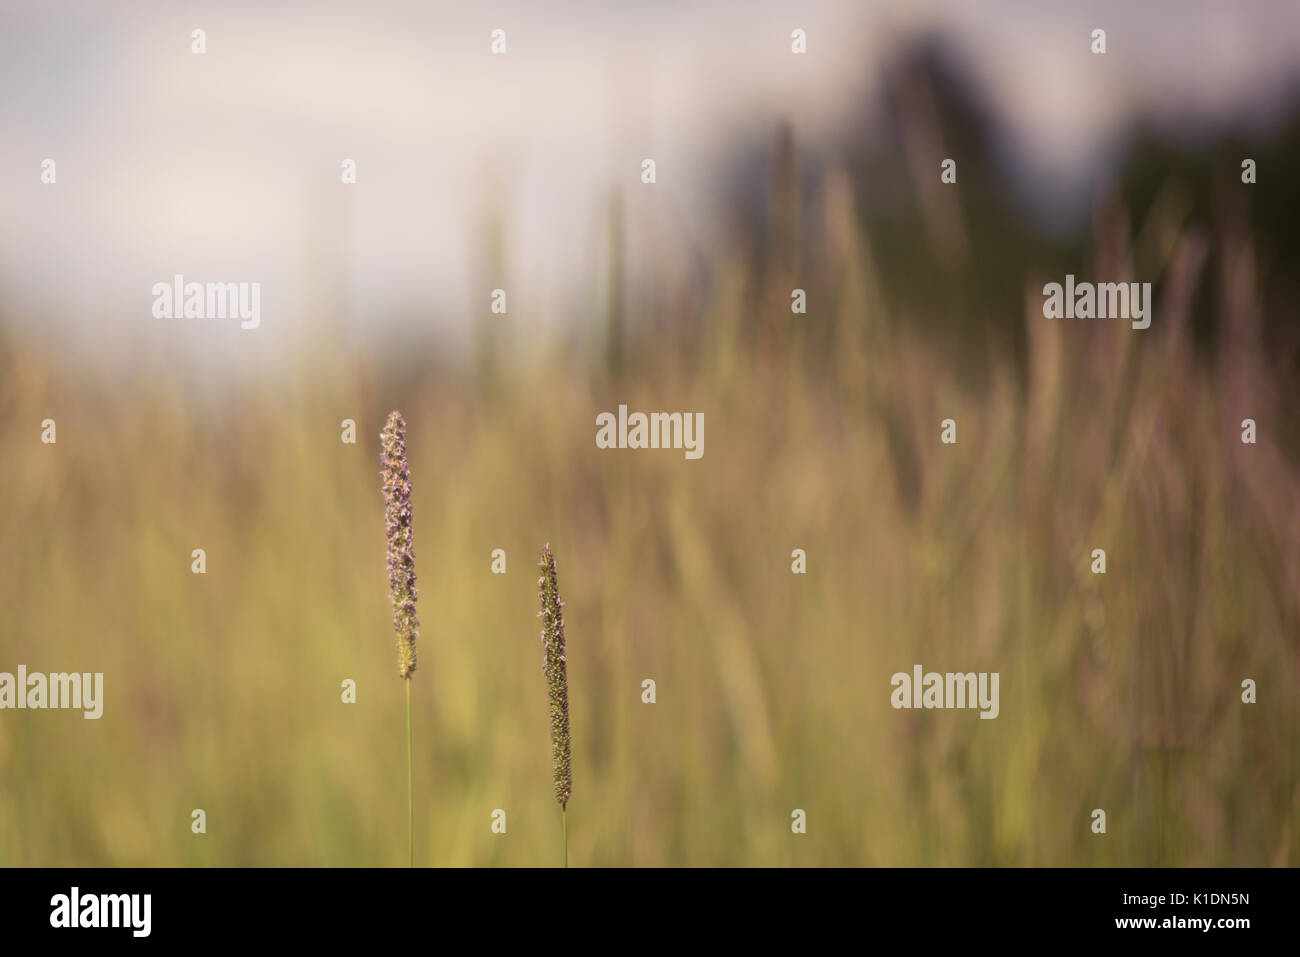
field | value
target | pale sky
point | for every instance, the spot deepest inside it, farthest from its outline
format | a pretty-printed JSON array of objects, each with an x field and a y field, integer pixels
[{"x": 225, "y": 166}]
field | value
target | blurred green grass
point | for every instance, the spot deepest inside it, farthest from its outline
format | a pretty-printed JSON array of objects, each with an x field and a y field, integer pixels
[{"x": 821, "y": 433}]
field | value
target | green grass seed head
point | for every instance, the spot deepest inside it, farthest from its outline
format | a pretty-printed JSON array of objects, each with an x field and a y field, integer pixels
[{"x": 555, "y": 669}]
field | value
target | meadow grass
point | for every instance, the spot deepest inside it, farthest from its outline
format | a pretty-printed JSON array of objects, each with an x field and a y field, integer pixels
[{"x": 1118, "y": 691}]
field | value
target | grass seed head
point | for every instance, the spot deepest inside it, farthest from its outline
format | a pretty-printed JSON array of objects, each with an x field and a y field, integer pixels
[
  {"x": 556, "y": 671},
  {"x": 401, "y": 552}
]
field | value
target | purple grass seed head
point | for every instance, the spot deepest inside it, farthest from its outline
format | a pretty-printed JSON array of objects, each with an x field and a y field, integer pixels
[{"x": 401, "y": 551}]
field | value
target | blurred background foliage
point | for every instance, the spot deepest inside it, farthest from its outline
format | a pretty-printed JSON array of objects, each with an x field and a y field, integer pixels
[{"x": 1118, "y": 692}]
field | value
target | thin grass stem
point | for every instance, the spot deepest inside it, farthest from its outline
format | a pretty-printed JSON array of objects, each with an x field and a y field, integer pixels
[{"x": 410, "y": 785}]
